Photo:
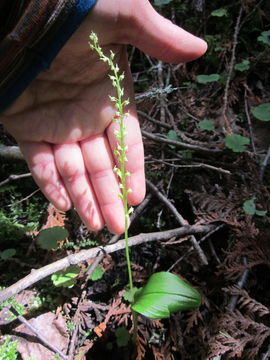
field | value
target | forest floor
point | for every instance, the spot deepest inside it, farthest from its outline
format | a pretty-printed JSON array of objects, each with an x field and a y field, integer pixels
[{"x": 198, "y": 174}]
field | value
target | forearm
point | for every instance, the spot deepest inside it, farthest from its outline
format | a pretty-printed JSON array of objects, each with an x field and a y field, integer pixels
[{"x": 31, "y": 35}]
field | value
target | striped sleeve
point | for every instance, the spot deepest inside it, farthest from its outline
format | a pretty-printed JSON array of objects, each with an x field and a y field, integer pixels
[{"x": 32, "y": 32}]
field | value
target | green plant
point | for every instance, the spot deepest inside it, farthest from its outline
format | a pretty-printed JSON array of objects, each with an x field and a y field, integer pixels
[
  {"x": 164, "y": 292},
  {"x": 122, "y": 336},
  {"x": 264, "y": 37},
  {"x": 161, "y": 2},
  {"x": 97, "y": 274},
  {"x": 205, "y": 79},
  {"x": 7, "y": 254},
  {"x": 8, "y": 350},
  {"x": 207, "y": 125},
  {"x": 243, "y": 66},
  {"x": 236, "y": 143},
  {"x": 15, "y": 304},
  {"x": 10, "y": 229},
  {"x": 121, "y": 149},
  {"x": 66, "y": 278},
  {"x": 262, "y": 112},
  {"x": 219, "y": 12},
  {"x": 249, "y": 208},
  {"x": 48, "y": 238}
]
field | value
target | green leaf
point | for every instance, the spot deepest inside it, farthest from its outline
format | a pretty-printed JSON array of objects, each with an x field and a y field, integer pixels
[
  {"x": 163, "y": 294},
  {"x": 207, "y": 125},
  {"x": 262, "y": 112},
  {"x": 173, "y": 136},
  {"x": 97, "y": 274},
  {"x": 48, "y": 238},
  {"x": 249, "y": 208},
  {"x": 187, "y": 154},
  {"x": 122, "y": 336},
  {"x": 204, "y": 79},
  {"x": 8, "y": 253},
  {"x": 66, "y": 278},
  {"x": 219, "y": 12},
  {"x": 161, "y": 2},
  {"x": 236, "y": 143},
  {"x": 243, "y": 66},
  {"x": 260, "y": 212},
  {"x": 264, "y": 37},
  {"x": 130, "y": 294}
]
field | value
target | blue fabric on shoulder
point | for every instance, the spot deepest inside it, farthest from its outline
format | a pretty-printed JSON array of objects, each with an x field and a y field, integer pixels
[{"x": 42, "y": 60}]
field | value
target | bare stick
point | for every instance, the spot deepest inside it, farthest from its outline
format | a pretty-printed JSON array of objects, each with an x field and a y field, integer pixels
[
  {"x": 83, "y": 255},
  {"x": 180, "y": 219},
  {"x": 178, "y": 144},
  {"x": 14, "y": 177},
  {"x": 233, "y": 301},
  {"x": 249, "y": 122},
  {"x": 200, "y": 241},
  {"x": 37, "y": 333},
  {"x": 264, "y": 164},
  {"x": 194, "y": 165},
  {"x": 227, "y": 124},
  {"x": 157, "y": 122},
  {"x": 24, "y": 199}
]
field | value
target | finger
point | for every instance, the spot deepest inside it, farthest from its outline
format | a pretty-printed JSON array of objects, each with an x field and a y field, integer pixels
[
  {"x": 40, "y": 160},
  {"x": 160, "y": 38},
  {"x": 70, "y": 164},
  {"x": 134, "y": 154},
  {"x": 99, "y": 163}
]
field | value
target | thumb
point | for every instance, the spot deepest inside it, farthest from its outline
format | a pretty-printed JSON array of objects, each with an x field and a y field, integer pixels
[{"x": 160, "y": 38}]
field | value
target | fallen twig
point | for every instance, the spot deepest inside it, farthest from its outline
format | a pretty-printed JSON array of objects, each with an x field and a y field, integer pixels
[
  {"x": 14, "y": 177},
  {"x": 157, "y": 122},
  {"x": 216, "y": 228},
  {"x": 83, "y": 255},
  {"x": 194, "y": 165},
  {"x": 180, "y": 219},
  {"x": 264, "y": 164},
  {"x": 37, "y": 333},
  {"x": 234, "y": 298},
  {"x": 227, "y": 124},
  {"x": 178, "y": 144},
  {"x": 249, "y": 122}
]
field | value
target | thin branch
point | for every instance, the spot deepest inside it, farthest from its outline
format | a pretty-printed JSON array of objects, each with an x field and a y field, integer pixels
[
  {"x": 178, "y": 144},
  {"x": 180, "y": 220},
  {"x": 194, "y": 165},
  {"x": 35, "y": 331},
  {"x": 14, "y": 177},
  {"x": 232, "y": 61},
  {"x": 83, "y": 255},
  {"x": 24, "y": 199},
  {"x": 215, "y": 229},
  {"x": 241, "y": 283},
  {"x": 264, "y": 164},
  {"x": 249, "y": 122},
  {"x": 266, "y": 355},
  {"x": 157, "y": 122},
  {"x": 251, "y": 13}
]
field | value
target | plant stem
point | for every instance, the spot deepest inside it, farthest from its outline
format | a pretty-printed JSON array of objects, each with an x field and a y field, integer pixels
[{"x": 121, "y": 149}]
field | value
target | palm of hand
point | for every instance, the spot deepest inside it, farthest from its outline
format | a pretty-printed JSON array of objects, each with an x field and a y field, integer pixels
[
  {"x": 63, "y": 120},
  {"x": 63, "y": 124}
]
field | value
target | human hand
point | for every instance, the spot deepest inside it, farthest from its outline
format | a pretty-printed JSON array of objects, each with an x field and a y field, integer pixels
[{"x": 63, "y": 120}]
